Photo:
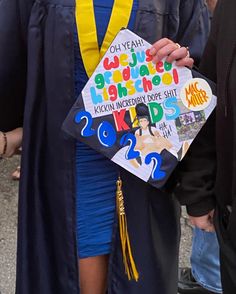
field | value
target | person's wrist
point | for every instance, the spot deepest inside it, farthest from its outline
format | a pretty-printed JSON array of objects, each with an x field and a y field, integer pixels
[
  {"x": 3, "y": 143},
  {"x": 10, "y": 142},
  {"x": 15, "y": 138},
  {"x": 14, "y": 142}
]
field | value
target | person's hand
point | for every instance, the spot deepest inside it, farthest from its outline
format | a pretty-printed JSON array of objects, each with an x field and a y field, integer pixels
[
  {"x": 173, "y": 51},
  {"x": 204, "y": 222},
  {"x": 13, "y": 142}
]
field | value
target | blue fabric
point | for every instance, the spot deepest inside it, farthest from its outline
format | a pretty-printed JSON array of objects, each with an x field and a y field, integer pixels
[
  {"x": 96, "y": 175},
  {"x": 205, "y": 260}
]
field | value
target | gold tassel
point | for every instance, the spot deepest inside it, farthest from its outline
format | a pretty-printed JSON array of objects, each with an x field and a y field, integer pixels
[{"x": 129, "y": 263}]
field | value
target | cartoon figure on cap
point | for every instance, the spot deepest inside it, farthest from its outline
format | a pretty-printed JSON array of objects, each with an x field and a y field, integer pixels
[{"x": 148, "y": 138}]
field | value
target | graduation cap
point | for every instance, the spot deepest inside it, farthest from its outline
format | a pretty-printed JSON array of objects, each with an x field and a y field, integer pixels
[{"x": 125, "y": 86}]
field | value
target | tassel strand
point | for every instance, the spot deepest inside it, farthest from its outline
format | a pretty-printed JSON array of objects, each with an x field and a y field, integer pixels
[{"x": 129, "y": 263}]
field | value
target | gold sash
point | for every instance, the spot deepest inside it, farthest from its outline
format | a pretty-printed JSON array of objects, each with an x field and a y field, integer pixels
[{"x": 87, "y": 30}]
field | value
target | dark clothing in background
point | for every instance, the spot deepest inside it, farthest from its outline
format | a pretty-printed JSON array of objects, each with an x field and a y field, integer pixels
[
  {"x": 36, "y": 39},
  {"x": 210, "y": 167}
]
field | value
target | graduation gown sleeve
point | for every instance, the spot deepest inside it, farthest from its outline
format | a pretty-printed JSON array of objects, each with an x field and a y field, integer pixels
[
  {"x": 14, "y": 16},
  {"x": 194, "y": 27}
]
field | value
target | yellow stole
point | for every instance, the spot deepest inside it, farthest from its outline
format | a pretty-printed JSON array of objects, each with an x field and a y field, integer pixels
[{"x": 87, "y": 30}]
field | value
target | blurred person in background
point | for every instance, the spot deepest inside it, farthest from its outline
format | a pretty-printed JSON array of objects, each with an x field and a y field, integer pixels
[
  {"x": 204, "y": 274},
  {"x": 209, "y": 169}
]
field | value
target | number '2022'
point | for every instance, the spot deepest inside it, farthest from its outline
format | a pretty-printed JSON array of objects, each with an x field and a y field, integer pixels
[{"x": 107, "y": 137}]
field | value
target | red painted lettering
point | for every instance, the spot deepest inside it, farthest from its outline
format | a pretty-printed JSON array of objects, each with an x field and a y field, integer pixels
[
  {"x": 108, "y": 65},
  {"x": 149, "y": 57},
  {"x": 119, "y": 118}
]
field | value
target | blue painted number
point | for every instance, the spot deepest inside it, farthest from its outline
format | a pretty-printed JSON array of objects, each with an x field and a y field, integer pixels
[
  {"x": 106, "y": 134},
  {"x": 157, "y": 173},
  {"x": 131, "y": 139},
  {"x": 87, "y": 130}
]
